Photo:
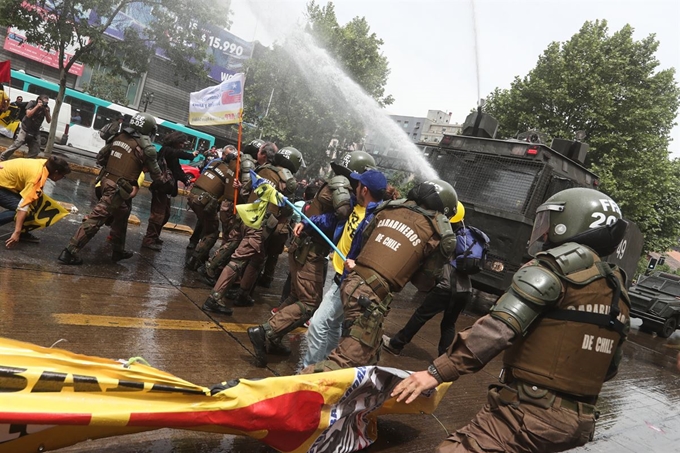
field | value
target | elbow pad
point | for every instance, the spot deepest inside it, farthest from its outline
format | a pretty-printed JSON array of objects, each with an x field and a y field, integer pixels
[{"x": 533, "y": 290}]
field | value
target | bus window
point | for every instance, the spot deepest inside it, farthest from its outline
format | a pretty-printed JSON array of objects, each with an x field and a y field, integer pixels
[
  {"x": 16, "y": 83},
  {"x": 104, "y": 117},
  {"x": 203, "y": 144},
  {"x": 35, "y": 89},
  {"x": 162, "y": 132},
  {"x": 80, "y": 108}
]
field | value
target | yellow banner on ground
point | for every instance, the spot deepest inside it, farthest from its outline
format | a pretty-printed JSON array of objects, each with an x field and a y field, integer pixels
[
  {"x": 52, "y": 398},
  {"x": 43, "y": 212}
]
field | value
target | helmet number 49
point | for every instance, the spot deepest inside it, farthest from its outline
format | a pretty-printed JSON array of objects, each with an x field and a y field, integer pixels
[{"x": 601, "y": 219}]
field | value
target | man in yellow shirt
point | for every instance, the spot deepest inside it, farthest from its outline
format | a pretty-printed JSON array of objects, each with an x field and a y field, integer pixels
[{"x": 21, "y": 183}]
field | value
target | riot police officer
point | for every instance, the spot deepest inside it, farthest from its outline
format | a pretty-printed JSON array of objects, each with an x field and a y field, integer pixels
[
  {"x": 277, "y": 169},
  {"x": 131, "y": 151},
  {"x": 307, "y": 263},
  {"x": 212, "y": 268},
  {"x": 213, "y": 191},
  {"x": 561, "y": 324},
  {"x": 396, "y": 246}
]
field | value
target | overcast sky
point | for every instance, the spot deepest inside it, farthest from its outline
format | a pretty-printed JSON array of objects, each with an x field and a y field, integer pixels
[{"x": 430, "y": 44}]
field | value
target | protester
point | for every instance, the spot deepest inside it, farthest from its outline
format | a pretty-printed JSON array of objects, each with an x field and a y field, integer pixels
[
  {"x": 36, "y": 112},
  {"x": 21, "y": 183}
]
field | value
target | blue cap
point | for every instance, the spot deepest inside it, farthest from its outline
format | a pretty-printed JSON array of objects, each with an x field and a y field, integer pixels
[{"x": 371, "y": 178}]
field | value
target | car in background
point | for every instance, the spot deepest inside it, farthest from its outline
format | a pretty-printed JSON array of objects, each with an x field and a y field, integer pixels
[
  {"x": 192, "y": 171},
  {"x": 656, "y": 300}
]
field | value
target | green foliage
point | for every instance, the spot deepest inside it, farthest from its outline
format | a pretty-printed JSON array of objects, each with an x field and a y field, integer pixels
[
  {"x": 108, "y": 86},
  {"x": 610, "y": 87},
  {"x": 173, "y": 29},
  {"x": 296, "y": 115}
]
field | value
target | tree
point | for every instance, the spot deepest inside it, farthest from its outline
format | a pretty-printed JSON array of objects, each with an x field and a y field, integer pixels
[
  {"x": 281, "y": 100},
  {"x": 108, "y": 86},
  {"x": 610, "y": 87},
  {"x": 175, "y": 29}
]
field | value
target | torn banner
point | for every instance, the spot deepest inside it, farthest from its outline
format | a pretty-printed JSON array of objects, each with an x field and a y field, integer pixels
[{"x": 52, "y": 398}]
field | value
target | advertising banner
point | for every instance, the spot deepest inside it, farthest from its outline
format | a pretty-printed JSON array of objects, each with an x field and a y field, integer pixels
[
  {"x": 15, "y": 42},
  {"x": 220, "y": 104},
  {"x": 52, "y": 398}
]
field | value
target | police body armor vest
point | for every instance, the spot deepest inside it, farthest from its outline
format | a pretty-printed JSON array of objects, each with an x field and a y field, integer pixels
[
  {"x": 126, "y": 159},
  {"x": 571, "y": 347},
  {"x": 216, "y": 178},
  {"x": 398, "y": 241}
]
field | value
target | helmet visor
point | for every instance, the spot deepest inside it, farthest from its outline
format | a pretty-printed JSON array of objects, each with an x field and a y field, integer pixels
[{"x": 539, "y": 235}]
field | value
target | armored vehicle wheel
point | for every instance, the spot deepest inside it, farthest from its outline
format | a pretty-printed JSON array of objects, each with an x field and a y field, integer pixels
[{"x": 668, "y": 327}]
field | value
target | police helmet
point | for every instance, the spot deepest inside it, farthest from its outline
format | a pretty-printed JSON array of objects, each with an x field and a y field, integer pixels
[
  {"x": 290, "y": 158},
  {"x": 253, "y": 147},
  {"x": 580, "y": 215},
  {"x": 144, "y": 123},
  {"x": 437, "y": 195},
  {"x": 357, "y": 161}
]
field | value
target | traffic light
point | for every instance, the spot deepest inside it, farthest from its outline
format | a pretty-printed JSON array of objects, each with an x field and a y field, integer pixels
[{"x": 652, "y": 263}]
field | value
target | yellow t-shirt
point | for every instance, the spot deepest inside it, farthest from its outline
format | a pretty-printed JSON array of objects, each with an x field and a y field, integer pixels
[
  {"x": 25, "y": 177},
  {"x": 345, "y": 241}
]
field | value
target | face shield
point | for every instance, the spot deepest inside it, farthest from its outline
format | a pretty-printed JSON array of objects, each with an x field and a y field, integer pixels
[{"x": 539, "y": 235}]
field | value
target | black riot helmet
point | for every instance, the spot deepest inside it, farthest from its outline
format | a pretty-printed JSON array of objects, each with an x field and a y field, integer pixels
[{"x": 253, "y": 147}]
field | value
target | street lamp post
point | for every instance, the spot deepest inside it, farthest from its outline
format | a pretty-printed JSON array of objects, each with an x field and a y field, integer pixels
[{"x": 147, "y": 98}]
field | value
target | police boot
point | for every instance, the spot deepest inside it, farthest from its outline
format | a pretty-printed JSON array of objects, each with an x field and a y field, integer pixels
[
  {"x": 205, "y": 276},
  {"x": 67, "y": 257},
  {"x": 265, "y": 281},
  {"x": 243, "y": 299},
  {"x": 258, "y": 338},
  {"x": 276, "y": 347},
  {"x": 121, "y": 255},
  {"x": 213, "y": 304},
  {"x": 192, "y": 263}
]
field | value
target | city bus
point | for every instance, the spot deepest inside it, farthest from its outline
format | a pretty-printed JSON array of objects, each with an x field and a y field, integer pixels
[{"x": 88, "y": 114}]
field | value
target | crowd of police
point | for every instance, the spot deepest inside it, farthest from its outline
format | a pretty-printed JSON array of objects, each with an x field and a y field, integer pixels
[{"x": 558, "y": 350}]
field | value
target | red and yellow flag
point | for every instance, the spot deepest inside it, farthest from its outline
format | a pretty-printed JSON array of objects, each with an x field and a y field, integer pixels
[{"x": 52, "y": 398}]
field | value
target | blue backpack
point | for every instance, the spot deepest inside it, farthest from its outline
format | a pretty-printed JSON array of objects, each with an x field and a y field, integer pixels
[{"x": 472, "y": 244}]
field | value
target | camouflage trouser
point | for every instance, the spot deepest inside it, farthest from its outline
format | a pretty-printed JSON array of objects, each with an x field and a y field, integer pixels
[
  {"x": 109, "y": 205},
  {"x": 307, "y": 279},
  {"x": 249, "y": 252},
  {"x": 352, "y": 352},
  {"x": 159, "y": 216},
  {"x": 208, "y": 219},
  {"x": 503, "y": 427}
]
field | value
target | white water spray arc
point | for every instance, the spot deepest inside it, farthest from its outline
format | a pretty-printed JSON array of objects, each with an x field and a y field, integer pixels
[{"x": 330, "y": 82}]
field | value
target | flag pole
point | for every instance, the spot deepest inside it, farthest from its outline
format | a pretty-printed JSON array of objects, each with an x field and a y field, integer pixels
[{"x": 238, "y": 155}]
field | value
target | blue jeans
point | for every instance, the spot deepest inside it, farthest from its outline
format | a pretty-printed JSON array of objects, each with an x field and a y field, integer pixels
[
  {"x": 325, "y": 328},
  {"x": 10, "y": 201}
]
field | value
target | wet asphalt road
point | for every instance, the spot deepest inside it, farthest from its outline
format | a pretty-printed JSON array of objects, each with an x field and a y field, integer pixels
[{"x": 149, "y": 306}]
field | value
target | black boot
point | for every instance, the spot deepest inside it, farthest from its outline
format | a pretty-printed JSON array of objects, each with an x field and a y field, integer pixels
[
  {"x": 122, "y": 255},
  {"x": 67, "y": 257},
  {"x": 243, "y": 299},
  {"x": 212, "y": 304},
  {"x": 276, "y": 347},
  {"x": 205, "y": 276},
  {"x": 192, "y": 263},
  {"x": 265, "y": 282},
  {"x": 258, "y": 338}
]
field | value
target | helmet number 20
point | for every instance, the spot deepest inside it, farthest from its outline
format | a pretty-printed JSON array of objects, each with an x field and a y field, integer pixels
[{"x": 601, "y": 219}]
